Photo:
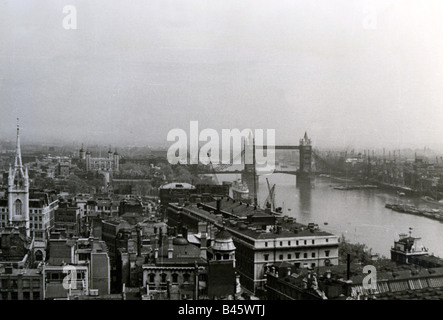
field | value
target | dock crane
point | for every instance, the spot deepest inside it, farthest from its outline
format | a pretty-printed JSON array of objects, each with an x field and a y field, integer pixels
[
  {"x": 213, "y": 172},
  {"x": 270, "y": 199}
]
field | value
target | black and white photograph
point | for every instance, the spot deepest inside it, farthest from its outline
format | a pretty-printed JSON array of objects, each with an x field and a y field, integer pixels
[{"x": 217, "y": 156}]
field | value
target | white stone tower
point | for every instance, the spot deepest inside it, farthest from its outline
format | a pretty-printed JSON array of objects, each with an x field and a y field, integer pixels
[{"x": 18, "y": 192}]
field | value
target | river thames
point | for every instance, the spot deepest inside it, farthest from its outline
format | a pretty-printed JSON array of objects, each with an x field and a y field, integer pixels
[{"x": 359, "y": 215}]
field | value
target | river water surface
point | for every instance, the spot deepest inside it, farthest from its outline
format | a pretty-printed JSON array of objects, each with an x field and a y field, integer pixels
[{"x": 360, "y": 215}]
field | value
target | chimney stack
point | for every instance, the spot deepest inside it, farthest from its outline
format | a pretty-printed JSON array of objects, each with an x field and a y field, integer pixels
[
  {"x": 160, "y": 237},
  {"x": 185, "y": 232},
  {"x": 202, "y": 227},
  {"x": 203, "y": 245},
  {"x": 348, "y": 268},
  {"x": 218, "y": 206},
  {"x": 139, "y": 240},
  {"x": 156, "y": 253}
]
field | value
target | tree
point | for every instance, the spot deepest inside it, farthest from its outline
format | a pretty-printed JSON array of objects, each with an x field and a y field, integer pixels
[
  {"x": 166, "y": 169},
  {"x": 43, "y": 183},
  {"x": 76, "y": 185},
  {"x": 358, "y": 252}
]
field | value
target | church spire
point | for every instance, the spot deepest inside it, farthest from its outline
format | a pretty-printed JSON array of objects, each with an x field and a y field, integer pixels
[
  {"x": 18, "y": 154},
  {"x": 17, "y": 173},
  {"x": 18, "y": 191}
]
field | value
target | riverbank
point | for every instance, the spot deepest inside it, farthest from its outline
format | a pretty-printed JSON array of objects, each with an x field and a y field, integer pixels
[
  {"x": 354, "y": 183},
  {"x": 356, "y": 187},
  {"x": 360, "y": 214},
  {"x": 435, "y": 214}
]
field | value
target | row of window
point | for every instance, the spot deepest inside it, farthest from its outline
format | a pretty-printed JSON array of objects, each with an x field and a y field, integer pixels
[
  {"x": 104, "y": 208},
  {"x": 32, "y": 226},
  {"x": 164, "y": 277},
  {"x": 12, "y": 283},
  {"x": 38, "y": 235},
  {"x": 57, "y": 276},
  {"x": 297, "y": 242},
  {"x": 297, "y": 255},
  {"x": 99, "y": 166},
  {"x": 39, "y": 218},
  {"x": 26, "y": 295},
  {"x": 30, "y": 210}
]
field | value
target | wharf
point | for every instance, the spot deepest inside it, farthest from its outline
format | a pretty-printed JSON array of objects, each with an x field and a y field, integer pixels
[{"x": 406, "y": 208}]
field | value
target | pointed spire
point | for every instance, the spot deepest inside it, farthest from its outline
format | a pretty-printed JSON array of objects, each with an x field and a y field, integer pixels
[
  {"x": 18, "y": 154},
  {"x": 17, "y": 170}
]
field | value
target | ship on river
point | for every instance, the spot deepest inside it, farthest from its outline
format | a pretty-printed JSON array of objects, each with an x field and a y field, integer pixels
[{"x": 240, "y": 191}]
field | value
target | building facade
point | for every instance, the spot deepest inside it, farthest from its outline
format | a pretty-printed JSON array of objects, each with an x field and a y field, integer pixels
[
  {"x": 111, "y": 163},
  {"x": 260, "y": 239}
]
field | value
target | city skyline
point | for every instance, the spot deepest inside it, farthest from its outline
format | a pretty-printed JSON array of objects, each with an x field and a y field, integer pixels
[{"x": 232, "y": 152}]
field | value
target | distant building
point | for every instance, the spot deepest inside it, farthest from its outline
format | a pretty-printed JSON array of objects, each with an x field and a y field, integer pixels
[
  {"x": 68, "y": 218},
  {"x": 63, "y": 169},
  {"x": 178, "y": 272},
  {"x": 19, "y": 277},
  {"x": 222, "y": 278},
  {"x": 410, "y": 250},
  {"x": 90, "y": 260},
  {"x": 131, "y": 206},
  {"x": 175, "y": 192},
  {"x": 283, "y": 283},
  {"x": 42, "y": 212},
  {"x": 102, "y": 207},
  {"x": 111, "y": 163},
  {"x": 20, "y": 284},
  {"x": 54, "y": 286},
  {"x": 406, "y": 248}
]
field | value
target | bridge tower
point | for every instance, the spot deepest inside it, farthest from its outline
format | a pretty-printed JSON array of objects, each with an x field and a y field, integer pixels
[{"x": 305, "y": 171}]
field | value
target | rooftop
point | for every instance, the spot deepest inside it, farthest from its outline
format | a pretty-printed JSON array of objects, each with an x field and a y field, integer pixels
[
  {"x": 176, "y": 185},
  {"x": 259, "y": 230}
]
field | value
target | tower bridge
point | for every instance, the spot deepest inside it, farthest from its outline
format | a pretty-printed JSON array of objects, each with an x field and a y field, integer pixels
[{"x": 304, "y": 172}]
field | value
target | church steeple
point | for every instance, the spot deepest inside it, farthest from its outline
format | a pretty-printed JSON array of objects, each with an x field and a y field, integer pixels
[
  {"x": 18, "y": 191},
  {"x": 18, "y": 153},
  {"x": 17, "y": 175}
]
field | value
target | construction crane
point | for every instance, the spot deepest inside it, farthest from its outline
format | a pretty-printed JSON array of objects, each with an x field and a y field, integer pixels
[
  {"x": 221, "y": 167},
  {"x": 213, "y": 172},
  {"x": 270, "y": 199}
]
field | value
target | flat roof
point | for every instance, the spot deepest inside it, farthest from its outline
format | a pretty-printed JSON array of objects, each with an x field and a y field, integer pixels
[
  {"x": 288, "y": 229},
  {"x": 177, "y": 185}
]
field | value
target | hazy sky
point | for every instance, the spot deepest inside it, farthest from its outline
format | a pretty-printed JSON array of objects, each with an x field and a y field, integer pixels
[{"x": 360, "y": 73}]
